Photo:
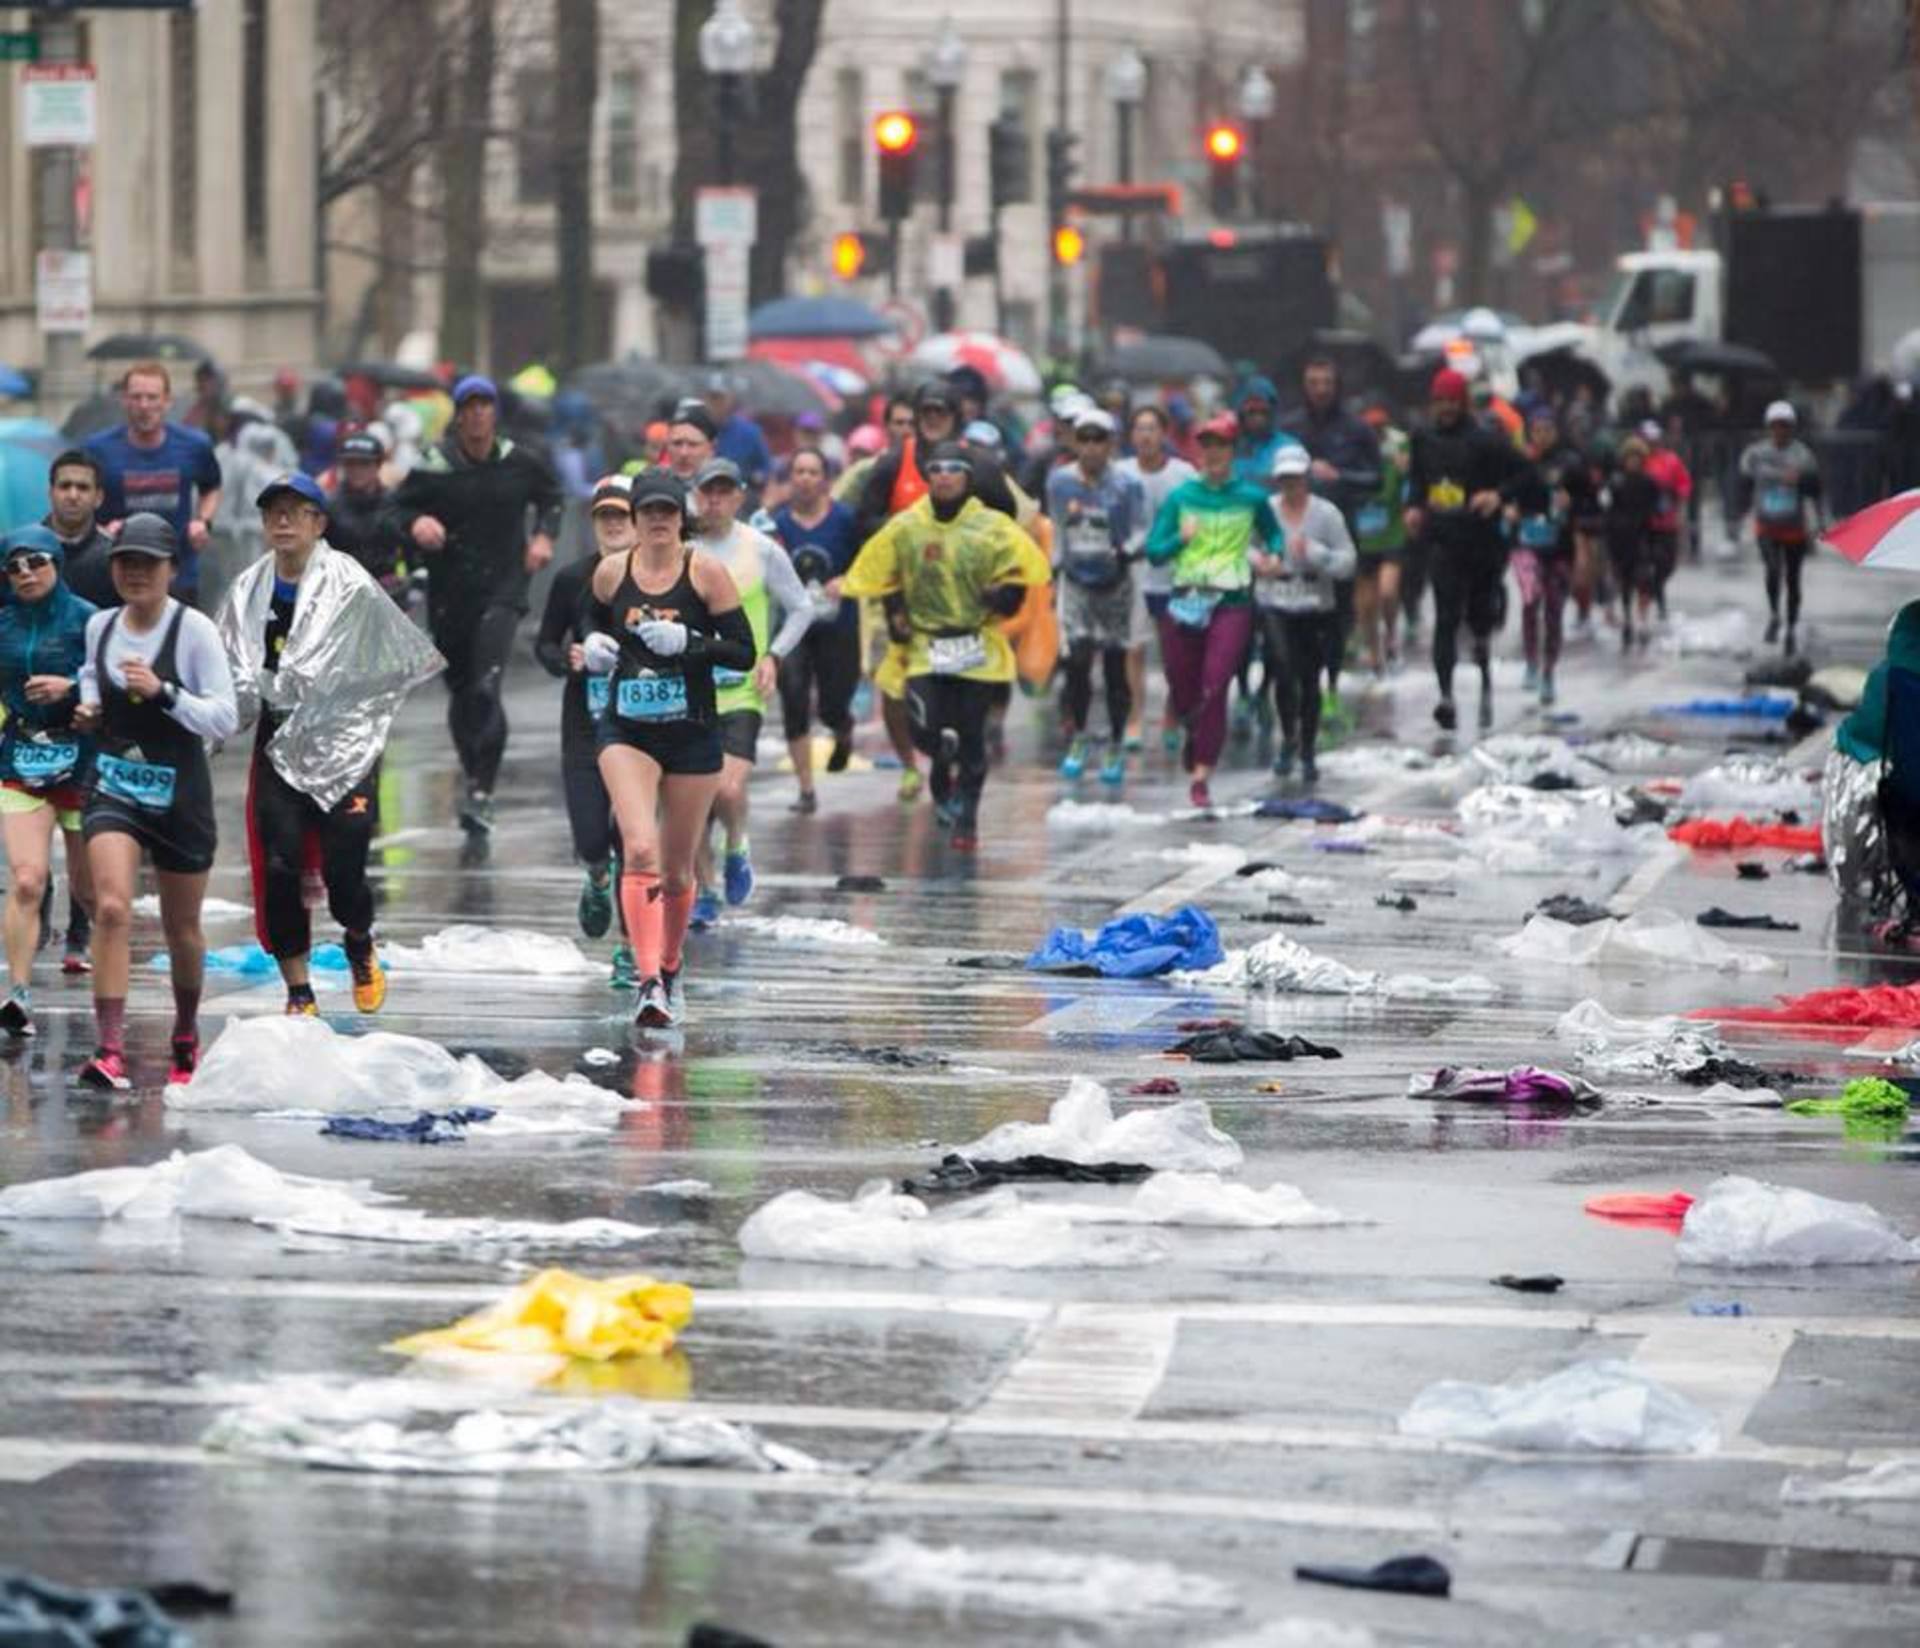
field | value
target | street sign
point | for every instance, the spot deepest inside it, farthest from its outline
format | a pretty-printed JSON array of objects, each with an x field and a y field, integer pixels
[
  {"x": 57, "y": 105},
  {"x": 728, "y": 285},
  {"x": 63, "y": 291},
  {"x": 19, "y": 47},
  {"x": 725, "y": 217}
]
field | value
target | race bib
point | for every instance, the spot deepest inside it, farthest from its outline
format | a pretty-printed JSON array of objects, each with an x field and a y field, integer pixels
[
  {"x": 599, "y": 694},
  {"x": 1193, "y": 608},
  {"x": 653, "y": 698},
  {"x": 1091, "y": 539},
  {"x": 1539, "y": 532},
  {"x": 724, "y": 678},
  {"x": 1780, "y": 501},
  {"x": 40, "y": 764},
  {"x": 956, "y": 654},
  {"x": 1446, "y": 495},
  {"x": 148, "y": 785},
  {"x": 1371, "y": 519}
]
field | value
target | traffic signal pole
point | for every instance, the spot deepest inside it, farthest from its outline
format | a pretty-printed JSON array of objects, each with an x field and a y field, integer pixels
[{"x": 1058, "y": 342}]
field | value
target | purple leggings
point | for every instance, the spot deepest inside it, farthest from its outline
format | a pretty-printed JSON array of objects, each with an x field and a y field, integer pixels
[
  {"x": 1544, "y": 581},
  {"x": 1200, "y": 666}
]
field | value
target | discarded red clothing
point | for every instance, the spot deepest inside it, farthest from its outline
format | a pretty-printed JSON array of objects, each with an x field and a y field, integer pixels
[
  {"x": 1854, "y": 1006},
  {"x": 1155, "y": 1084},
  {"x": 1743, "y": 832},
  {"x": 1640, "y": 1207}
]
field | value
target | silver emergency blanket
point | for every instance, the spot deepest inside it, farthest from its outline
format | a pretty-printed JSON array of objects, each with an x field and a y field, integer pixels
[
  {"x": 350, "y": 659},
  {"x": 1853, "y": 835}
]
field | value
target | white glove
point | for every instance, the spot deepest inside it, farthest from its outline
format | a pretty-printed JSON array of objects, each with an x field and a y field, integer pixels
[
  {"x": 600, "y": 652},
  {"x": 662, "y": 637}
]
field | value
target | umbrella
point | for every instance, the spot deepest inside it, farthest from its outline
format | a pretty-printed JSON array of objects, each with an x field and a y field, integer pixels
[
  {"x": 830, "y": 317},
  {"x": 771, "y": 389},
  {"x": 839, "y": 356},
  {"x": 1726, "y": 360},
  {"x": 632, "y": 390},
  {"x": 166, "y": 346},
  {"x": 1563, "y": 368},
  {"x": 1160, "y": 358},
  {"x": 1886, "y": 534},
  {"x": 27, "y": 446},
  {"x": 1005, "y": 368}
]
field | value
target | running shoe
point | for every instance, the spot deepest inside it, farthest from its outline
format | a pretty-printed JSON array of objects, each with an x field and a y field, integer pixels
[
  {"x": 1074, "y": 762},
  {"x": 1170, "y": 739},
  {"x": 947, "y": 812},
  {"x": 651, "y": 1009},
  {"x": 739, "y": 877},
  {"x": 1789, "y": 647},
  {"x": 670, "y": 982},
  {"x": 706, "y": 910},
  {"x": 76, "y": 963},
  {"x": 620, "y": 977},
  {"x": 186, "y": 1060},
  {"x": 1198, "y": 795},
  {"x": 1240, "y": 722},
  {"x": 106, "y": 1069},
  {"x": 1445, "y": 714},
  {"x": 1283, "y": 762},
  {"x": 910, "y": 782},
  {"x": 1309, "y": 771},
  {"x": 842, "y": 751},
  {"x": 1773, "y": 629},
  {"x": 15, "y": 1020},
  {"x": 1530, "y": 681},
  {"x": 476, "y": 813},
  {"x": 1136, "y": 740},
  {"x": 1114, "y": 769},
  {"x": 369, "y": 977},
  {"x": 1486, "y": 708},
  {"x": 302, "y": 1007},
  {"x": 806, "y": 802},
  {"x": 1547, "y": 691},
  {"x": 595, "y": 909}
]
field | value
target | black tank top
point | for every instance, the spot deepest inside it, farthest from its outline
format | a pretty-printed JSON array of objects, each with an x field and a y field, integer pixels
[
  {"x": 142, "y": 732},
  {"x": 632, "y": 606}
]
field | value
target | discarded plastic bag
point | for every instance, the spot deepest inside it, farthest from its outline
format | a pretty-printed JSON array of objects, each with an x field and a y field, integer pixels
[
  {"x": 1522, "y": 1083},
  {"x": 1523, "y": 758},
  {"x": 1207, "y": 1199},
  {"x": 1859, "y": 1007},
  {"x": 1890, "y": 1479},
  {"x": 823, "y": 932},
  {"x": 1232, "y": 1043},
  {"x": 1647, "y": 938},
  {"x": 1743, "y": 1223},
  {"x": 1135, "y": 946},
  {"x": 1750, "y": 784},
  {"x": 559, "y": 1313},
  {"x": 1099, "y": 815},
  {"x": 1081, "y": 1127},
  {"x": 1591, "y": 1407},
  {"x": 1024, "y": 1580},
  {"x": 517, "y": 951},
  {"x": 1738, "y": 834}
]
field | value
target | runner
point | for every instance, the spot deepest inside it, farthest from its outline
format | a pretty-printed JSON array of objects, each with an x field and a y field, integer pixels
[
  {"x": 1453, "y": 490},
  {"x": 671, "y": 616},
  {"x": 1671, "y": 475},
  {"x": 947, "y": 568},
  {"x": 44, "y": 763},
  {"x": 1207, "y": 530},
  {"x": 1381, "y": 532},
  {"x": 1783, "y": 481},
  {"x": 762, "y": 575},
  {"x": 323, "y": 659},
  {"x": 1633, "y": 500},
  {"x": 823, "y": 670},
  {"x": 565, "y": 624},
  {"x": 1544, "y": 499},
  {"x": 467, "y": 506},
  {"x": 154, "y": 687},
  {"x": 1099, "y": 523},
  {"x": 361, "y": 518},
  {"x": 1296, "y": 588},
  {"x": 1158, "y": 469}
]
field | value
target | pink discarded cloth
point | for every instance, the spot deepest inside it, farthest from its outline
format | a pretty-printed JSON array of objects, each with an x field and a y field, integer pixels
[
  {"x": 1851, "y": 1007},
  {"x": 1640, "y": 1207},
  {"x": 1523, "y": 1082}
]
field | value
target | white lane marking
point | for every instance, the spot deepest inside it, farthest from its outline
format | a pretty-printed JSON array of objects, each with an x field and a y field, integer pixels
[
  {"x": 1723, "y": 1366},
  {"x": 1094, "y": 1015},
  {"x": 418, "y": 832},
  {"x": 1178, "y": 890},
  {"x": 1639, "y": 886},
  {"x": 1088, "y": 1363}
]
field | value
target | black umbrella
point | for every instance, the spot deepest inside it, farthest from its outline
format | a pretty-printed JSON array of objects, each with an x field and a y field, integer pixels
[
  {"x": 629, "y": 391},
  {"x": 165, "y": 346},
  {"x": 1162, "y": 358},
  {"x": 1562, "y": 371},
  {"x": 765, "y": 389},
  {"x": 1726, "y": 360}
]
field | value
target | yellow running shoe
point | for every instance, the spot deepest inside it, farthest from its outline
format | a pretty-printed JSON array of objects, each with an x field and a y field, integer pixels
[
  {"x": 302, "y": 1007},
  {"x": 910, "y": 784},
  {"x": 369, "y": 979}
]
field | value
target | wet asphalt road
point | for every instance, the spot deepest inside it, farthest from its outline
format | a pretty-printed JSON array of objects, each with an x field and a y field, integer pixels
[{"x": 1230, "y": 1411}]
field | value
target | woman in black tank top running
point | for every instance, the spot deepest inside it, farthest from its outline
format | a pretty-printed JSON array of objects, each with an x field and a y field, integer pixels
[{"x": 667, "y": 616}]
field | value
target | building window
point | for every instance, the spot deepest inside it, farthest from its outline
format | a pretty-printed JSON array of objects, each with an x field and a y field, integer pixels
[
  {"x": 850, "y": 136},
  {"x": 533, "y": 98},
  {"x": 623, "y": 140},
  {"x": 253, "y": 118},
  {"x": 1020, "y": 102},
  {"x": 182, "y": 150},
  {"x": 1363, "y": 41}
]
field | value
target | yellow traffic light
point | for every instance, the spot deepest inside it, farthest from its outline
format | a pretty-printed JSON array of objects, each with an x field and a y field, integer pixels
[
  {"x": 1069, "y": 245},
  {"x": 895, "y": 132},
  {"x": 849, "y": 256}
]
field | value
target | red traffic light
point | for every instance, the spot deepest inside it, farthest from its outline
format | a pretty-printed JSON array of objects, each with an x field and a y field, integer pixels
[
  {"x": 1224, "y": 142},
  {"x": 849, "y": 255},
  {"x": 895, "y": 132}
]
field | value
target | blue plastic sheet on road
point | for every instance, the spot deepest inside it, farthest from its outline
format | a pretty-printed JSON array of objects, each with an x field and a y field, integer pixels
[
  {"x": 429, "y": 1127},
  {"x": 1137, "y": 946},
  {"x": 34, "y": 1610},
  {"x": 1310, "y": 809},
  {"x": 250, "y": 961},
  {"x": 1765, "y": 705}
]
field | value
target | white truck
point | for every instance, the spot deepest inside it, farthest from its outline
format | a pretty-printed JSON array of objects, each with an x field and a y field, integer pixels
[{"x": 1826, "y": 293}]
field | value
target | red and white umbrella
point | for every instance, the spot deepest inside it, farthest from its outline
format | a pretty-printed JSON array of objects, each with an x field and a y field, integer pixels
[
  {"x": 1886, "y": 534},
  {"x": 1007, "y": 370}
]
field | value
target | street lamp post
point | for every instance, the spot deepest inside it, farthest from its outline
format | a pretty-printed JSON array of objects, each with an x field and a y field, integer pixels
[
  {"x": 1127, "y": 86},
  {"x": 1256, "y": 108},
  {"x": 726, "y": 54},
  {"x": 946, "y": 68}
]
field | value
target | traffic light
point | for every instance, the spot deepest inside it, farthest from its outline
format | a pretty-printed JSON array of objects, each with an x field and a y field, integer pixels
[
  {"x": 1061, "y": 167},
  {"x": 1224, "y": 149},
  {"x": 1069, "y": 245},
  {"x": 1007, "y": 162},
  {"x": 897, "y": 137},
  {"x": 677, "y": 274},
  {"x": 857, "y": 253}
]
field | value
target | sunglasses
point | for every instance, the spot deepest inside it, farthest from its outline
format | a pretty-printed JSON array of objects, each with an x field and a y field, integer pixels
[
  {"x": 32, "y": 561},
  {"x": 948, "y": 466}
]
